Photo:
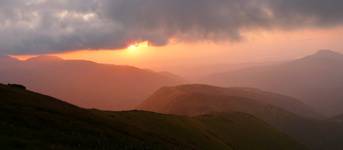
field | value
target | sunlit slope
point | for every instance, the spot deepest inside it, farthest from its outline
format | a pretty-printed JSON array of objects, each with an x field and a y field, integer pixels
[{"x": 34, "y": 121}]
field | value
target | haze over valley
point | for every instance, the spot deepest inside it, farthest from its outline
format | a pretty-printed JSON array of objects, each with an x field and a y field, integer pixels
[
  {"x": 171, "y": 75},
  {"x": 85, "y": 83},
  {"x": 315, "y": 79}
]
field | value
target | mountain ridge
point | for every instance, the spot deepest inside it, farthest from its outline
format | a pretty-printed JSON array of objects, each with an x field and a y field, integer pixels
[
  {"x": 118, "y": 87},
  {"x": 311, "y": 79},
  {"x": 52, "y": 124},
  {"x": 325, "y": 53},
  {"x": 169, "y": 96},
  {"x": 317, "y": 133}
]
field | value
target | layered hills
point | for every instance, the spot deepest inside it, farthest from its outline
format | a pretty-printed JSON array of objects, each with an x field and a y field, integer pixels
[
  {"x": 315, "y": 79},
  {"x": 85, "y": 83},
  {"x": 287, "y": 114},
  {"x": 33, "y": 121}
]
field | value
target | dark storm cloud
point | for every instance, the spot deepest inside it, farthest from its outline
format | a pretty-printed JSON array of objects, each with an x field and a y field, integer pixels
[
  {"x": 46, "y": 26},
  {"x": 293, "y": 13}
]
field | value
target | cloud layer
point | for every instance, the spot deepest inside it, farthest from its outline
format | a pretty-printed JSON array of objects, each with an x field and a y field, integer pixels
[{"x": 47, "y": 26}]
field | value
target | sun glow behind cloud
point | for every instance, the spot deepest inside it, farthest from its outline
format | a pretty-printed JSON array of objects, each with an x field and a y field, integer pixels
[
  {"x": 183, "y": 57},
  {"x": 138, "y": 47}
]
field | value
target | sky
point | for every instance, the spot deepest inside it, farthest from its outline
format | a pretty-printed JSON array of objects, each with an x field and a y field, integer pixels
[{"x": 170, "y": 35}]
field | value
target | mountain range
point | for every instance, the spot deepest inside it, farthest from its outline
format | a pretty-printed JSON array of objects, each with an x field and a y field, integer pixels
[
  {"x": 315, "y": 79},
  {"x": 287, "y": 114},
  {"x": 85, "y": 83},
  {"x": 33, "y": 121},
  {"x": 197, "y": 99},
  {"x": 290, "y": 105}
]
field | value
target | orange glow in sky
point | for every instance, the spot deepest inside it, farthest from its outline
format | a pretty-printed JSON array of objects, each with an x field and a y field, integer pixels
[
  {"x": 138, "y": 45},
  {"x": 135, "y": 48},
  {"x": 181, "y": 57}
]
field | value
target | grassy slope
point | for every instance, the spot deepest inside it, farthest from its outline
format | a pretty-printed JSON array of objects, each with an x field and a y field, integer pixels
[{"x": 34, "y": 121}]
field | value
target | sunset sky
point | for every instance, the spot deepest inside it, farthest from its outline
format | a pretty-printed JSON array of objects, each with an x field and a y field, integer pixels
[{"x": 167, "y": 35}]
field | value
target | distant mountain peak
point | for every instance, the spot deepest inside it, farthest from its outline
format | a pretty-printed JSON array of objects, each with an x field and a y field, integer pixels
[
  {"x": 45, "y": 58},
  {"x": 327, "y": 52},
  {"x": 325, "y": 55}
]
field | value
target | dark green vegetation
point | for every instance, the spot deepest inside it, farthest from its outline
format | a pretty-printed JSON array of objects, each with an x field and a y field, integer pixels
[
  {"x": 33, "y": 121},
  {"x": 282, "y": 112}
]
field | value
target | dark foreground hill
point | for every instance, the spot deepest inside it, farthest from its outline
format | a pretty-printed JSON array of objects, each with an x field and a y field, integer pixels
[
  {"x": 282, "y": 112},
  {"x": 33, "y": 121},
  {"x": 85, "y": 83}
]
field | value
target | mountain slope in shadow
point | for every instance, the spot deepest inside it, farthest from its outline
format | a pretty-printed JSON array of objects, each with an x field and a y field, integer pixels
[
  {"x": 34, "y": 121},
  {"x": 315, "y": 79},
  {"x": 85, "y": 83},
  {"x": 284, "y": 113}
]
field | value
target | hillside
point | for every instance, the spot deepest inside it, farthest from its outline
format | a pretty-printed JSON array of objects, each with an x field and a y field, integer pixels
[
  {"x": 85, "y": 83},
  {"x": 282, "y": 112},
  {"x": 338, "y": 118},
  {"x": 315, "y": 79},
  {"x": 197, "y": 99},
  {"x": 33, "y": 121}
]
